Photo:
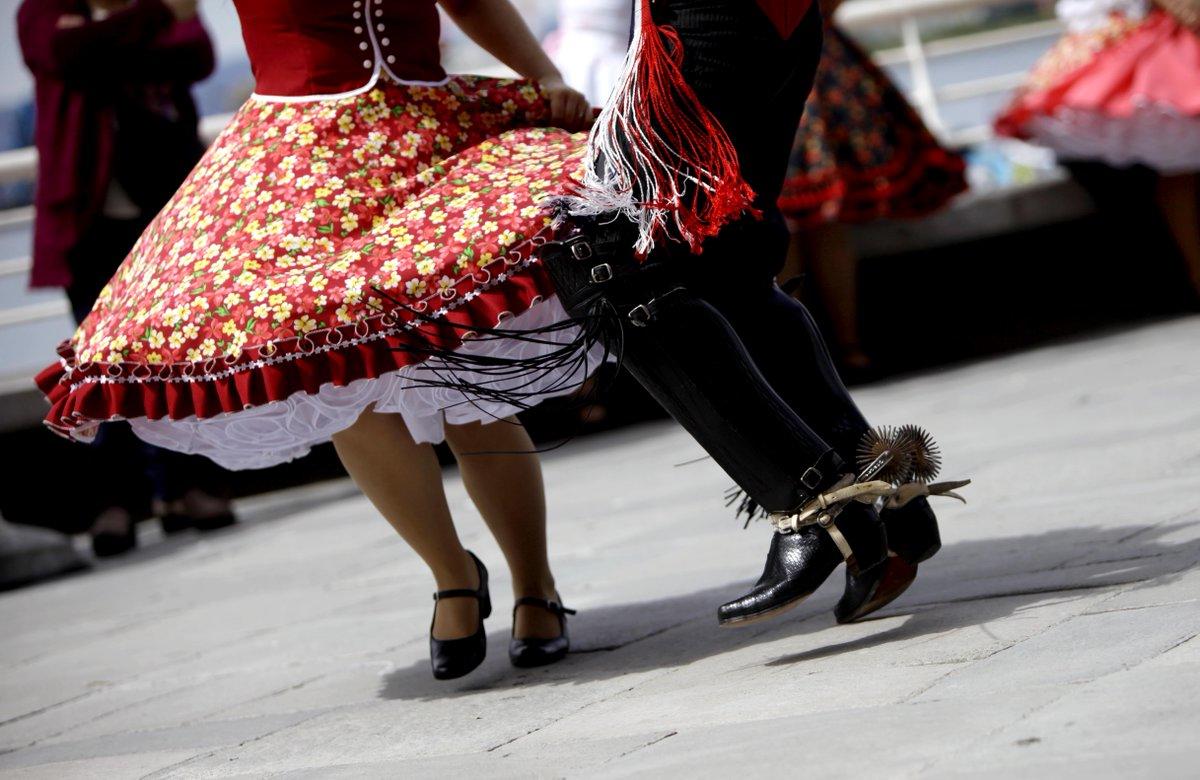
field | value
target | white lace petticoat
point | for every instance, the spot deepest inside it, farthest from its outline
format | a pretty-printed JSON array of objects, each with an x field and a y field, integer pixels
[
  {"x": 1153, "y": 136},
  {"x": 284, "y": 430}
]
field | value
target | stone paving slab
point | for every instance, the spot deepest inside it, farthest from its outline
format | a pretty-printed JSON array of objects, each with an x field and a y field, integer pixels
[{"x": 1057, "y": 634}]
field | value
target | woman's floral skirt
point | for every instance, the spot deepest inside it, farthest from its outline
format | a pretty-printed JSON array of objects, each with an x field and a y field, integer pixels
[
  {"x": 862, "y": 152},
  {"x": 1124, "y": 92},
  {"x": 315, "y": 260}
]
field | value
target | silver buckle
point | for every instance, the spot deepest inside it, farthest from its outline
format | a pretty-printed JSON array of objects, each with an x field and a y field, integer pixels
[
  {"x": 811, "y": 478},
  {"x": 582, "y": 250},
  {"x": 602, "y": 273},
  {"x": 640, "y": 315}
]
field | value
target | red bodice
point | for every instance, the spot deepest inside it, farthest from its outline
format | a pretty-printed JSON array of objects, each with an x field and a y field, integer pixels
[{"x": 310, "y": 48}]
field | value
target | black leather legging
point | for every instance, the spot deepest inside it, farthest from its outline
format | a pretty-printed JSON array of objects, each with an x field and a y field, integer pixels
[
  {"x": 756, "y": 84},
  {"x": 735, "y": 361}
]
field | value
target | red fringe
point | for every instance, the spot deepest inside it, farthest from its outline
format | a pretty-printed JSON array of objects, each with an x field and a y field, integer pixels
[
  {"x": 914, "y": 183},
  {"x": 690, "y": 131},
  {"x": 658, "y": 143}
]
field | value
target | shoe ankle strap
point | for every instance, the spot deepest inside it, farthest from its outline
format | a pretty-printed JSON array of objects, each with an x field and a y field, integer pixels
[
  {"x": 457, "y": 593},
  {"x": 550, "y": 606}
]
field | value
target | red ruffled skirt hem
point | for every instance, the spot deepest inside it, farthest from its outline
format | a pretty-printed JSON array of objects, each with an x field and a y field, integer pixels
[
  {"x": 909, "y": 187},
  {"x": 83, "y": 395},
  {"x": 1129, "y": 93}
]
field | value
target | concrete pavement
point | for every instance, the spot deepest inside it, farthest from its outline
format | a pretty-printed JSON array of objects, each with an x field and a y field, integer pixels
[{"x": 1056, "y": 633}]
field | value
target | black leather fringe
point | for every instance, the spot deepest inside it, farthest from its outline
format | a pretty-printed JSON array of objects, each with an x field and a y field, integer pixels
[
  {"x": 515, "y": 382},
  {"x": 746, "y": 506}
]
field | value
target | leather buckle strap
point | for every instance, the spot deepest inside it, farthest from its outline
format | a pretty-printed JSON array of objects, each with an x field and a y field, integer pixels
[
  {"x": 641, "y": 315},
  {"x": 602, "y": 273},
  {"x": 842, "y": 543},
  {"x": 550, "y": 606},
  {"x": 644, "y": 313},
  {"x": 824, "y": 508},
  {"x": 812, "y": 478},
  {"x": 580, "y": 248},
  {"x": 456, "y": 593}
]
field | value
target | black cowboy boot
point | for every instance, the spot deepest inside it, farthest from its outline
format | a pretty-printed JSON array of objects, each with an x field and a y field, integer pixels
[
  {"x": 800, "y": 561},
  {"x": 800, "y": 368}
]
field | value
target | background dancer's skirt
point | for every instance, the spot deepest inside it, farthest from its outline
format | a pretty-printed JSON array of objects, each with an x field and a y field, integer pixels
[
  {"x": 1124, "y": 92},
  {"x": 329, "y": 255},
  {"x": 862, "y": 152}
]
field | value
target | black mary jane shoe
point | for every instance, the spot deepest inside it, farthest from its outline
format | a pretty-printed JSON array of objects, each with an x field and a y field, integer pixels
[
  {"x": 177, "y": 522},
  {"x": 913, "y": 537},
  {"x": 800, "y": 561},
  {"x": 453, "y": 658},
  {"x": 528, "y": 653},
  {"x": 109, "y": 545},
  {"x": 174, "y": 523}
]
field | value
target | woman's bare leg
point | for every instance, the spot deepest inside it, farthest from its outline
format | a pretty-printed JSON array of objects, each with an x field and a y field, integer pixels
[
  {"x": 1177, "y": 198},
  {"x": 403, "y": 480},
  {"x": 507, "y": 489}
]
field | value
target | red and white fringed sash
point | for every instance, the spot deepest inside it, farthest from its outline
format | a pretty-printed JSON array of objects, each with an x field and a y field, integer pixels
[{"x": 656, "y": 155}]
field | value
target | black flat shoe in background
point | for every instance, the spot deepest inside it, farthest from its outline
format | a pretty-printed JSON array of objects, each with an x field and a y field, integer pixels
[
  {"x": 798, "y": 562},
  {"x": 177, "y": 522},
  {"x": 452, "y": 658},
  {"x": 913, "y": 537},
  {"x": 174, "y": 523},
  {"x": 528, "y": 653},
  {"x": 114, "y": 532},
  {"x": 108, "y": 544}
]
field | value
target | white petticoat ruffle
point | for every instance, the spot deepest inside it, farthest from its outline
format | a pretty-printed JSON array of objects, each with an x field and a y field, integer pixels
[
  {"x": 1086, "y": 15},
  {"x": 1154, "y": 136},
  {"x": 285, "y": 430}
]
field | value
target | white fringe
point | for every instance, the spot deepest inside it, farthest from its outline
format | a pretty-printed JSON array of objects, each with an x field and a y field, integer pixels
[{"x": 621, "y": 157}]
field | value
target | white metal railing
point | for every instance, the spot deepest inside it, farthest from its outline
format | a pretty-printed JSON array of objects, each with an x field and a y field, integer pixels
[
  {"x": 20, "y": 165},
  {"x": 915, "y": 54},
  {"x": 33, "y": 312},
  {"x": 18, "y": 266},
  {"x": 17, "y": 165}
]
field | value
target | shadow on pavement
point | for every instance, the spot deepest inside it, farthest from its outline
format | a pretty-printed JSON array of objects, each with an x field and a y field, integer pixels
[{"x": 969, "y": 583}]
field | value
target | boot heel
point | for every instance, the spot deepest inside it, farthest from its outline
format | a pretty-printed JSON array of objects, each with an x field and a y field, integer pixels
[{"x": 873, "y": 590}]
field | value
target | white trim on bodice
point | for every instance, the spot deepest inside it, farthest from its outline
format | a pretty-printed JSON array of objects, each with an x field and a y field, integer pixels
[{"x": 378, "y": 64}]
